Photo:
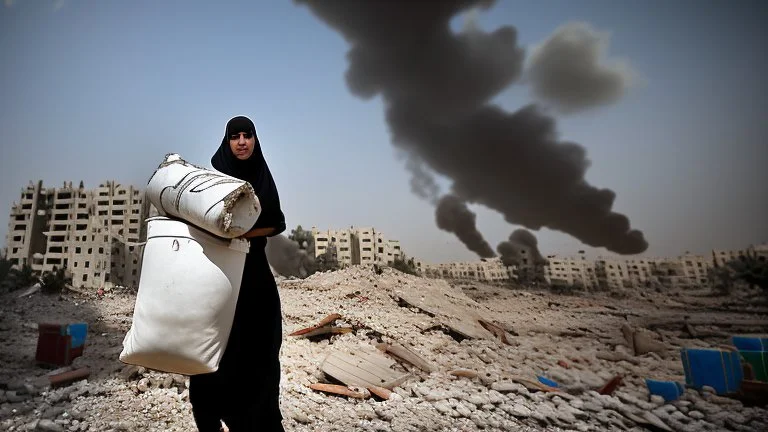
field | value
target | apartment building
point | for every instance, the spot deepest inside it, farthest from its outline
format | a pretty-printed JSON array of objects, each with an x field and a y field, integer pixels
[
  {"x": 95, "y": 233},
  {"x": 486, "y": 269},
  {"x": 571, "y": 271},
  {"x": 696, "y": 268},
  {"x": 364, "y": 245},
  {"x": 721, "y": 257},
  {"x": 685, "y": 271}
]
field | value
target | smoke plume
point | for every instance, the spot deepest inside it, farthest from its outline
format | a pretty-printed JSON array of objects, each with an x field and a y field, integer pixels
[
  {"x": 567, "y": 70},
  {"x": 437, "y": 87},
  {"x": 286, "y": 258},
  {"x": 423, "y": 184},
  {"x": 520, "y": 240},
  {"x": 452, "y": 215}
]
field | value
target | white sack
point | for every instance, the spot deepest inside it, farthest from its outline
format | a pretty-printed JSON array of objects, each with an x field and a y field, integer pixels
[
  {"x": 186, "y": 301},
  {"x": 220, "y": 204}
]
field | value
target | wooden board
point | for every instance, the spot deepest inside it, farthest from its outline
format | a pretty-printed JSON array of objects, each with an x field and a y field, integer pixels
[
  {"x": 363, "y": 369},
  {"x": 454, "y": 309}
]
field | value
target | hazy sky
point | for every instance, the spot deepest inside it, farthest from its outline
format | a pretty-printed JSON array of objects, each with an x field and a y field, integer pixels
[{"x": 99, "y": 90}]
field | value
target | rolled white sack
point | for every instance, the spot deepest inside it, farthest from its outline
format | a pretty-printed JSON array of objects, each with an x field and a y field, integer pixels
[{"x": 208, "y": 199}]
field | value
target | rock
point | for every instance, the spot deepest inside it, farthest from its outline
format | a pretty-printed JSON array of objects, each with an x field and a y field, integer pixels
[
  {"x": 697, "y": 415},
  {"x": 655, "y": 421},
  {"x": 46, "y": 425},
  {"x": 143, "y": 385},
  {"x": 443, "y": 407},
  {"x": 517, "y": 410},
  {"x": 365, "y": 412},
  {"x": 496, "y": 397},
  {"x": 657, "y": 400}
]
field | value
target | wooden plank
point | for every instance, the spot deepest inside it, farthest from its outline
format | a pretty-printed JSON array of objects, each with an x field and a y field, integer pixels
[
  {"x": 453, "y": 309},
  {"x": 353, "y": 361},
  {"x": 352, "y": 376},
  {"x": 372, "y": 374},
  {"x": 360, "y": 362},
  {"x": 379, "y": 360},
  {"x": 69, "y": 377},
  {"x": 336, "y": 389},
  {"x": 356, "y": 370},
  {"x": 407, "y": 355}
]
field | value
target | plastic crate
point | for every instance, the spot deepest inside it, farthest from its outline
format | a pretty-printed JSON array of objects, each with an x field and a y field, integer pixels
[
  {"x": 750, "y": 342},
  {"x": 669, "y": 390},
  {"x": 719, "y": 369},
  {"x": 59, "y": 344}
]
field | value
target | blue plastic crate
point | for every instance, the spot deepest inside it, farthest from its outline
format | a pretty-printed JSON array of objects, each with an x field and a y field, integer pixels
[
  {"x": 750, "y": 342},
  {"x": 719, "y": 369},
  {"x": 78, "y": 331},
  {"x": 669, "y": 390}
]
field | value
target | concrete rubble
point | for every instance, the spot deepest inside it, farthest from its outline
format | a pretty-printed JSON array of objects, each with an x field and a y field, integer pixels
[{"x": 577, "y": 341}]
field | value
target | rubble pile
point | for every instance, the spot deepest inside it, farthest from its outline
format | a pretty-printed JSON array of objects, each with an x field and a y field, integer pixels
[{"x": 471, "y": 357}]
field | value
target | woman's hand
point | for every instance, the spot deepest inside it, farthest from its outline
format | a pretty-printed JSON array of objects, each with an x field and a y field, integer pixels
[{"x": 258, "y": 232}]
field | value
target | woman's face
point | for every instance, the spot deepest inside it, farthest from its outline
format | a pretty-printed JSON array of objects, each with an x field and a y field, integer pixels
[{"x": 242, "y": 144}]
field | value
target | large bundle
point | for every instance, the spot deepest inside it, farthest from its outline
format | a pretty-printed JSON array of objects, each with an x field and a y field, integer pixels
[
  {"x": 220, "y": 204},
  {"x": 189, "y": 285}
]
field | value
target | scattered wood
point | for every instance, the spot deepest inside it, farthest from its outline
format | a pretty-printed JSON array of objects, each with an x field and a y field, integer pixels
[
  {"x": 381, "y": 392},
  {"x": 60, "y": 370},
  {"x": 407, "y": 355},
  {"x": 65, "y": 378},
  {"x": 337, "y": 389},
  {"x": 497, "y": 331},
  {"x": 324, "y": 322},
  {"x": 466, "y": 373},
  {"x": 362, "y": 369},
  {"x": 326, "y": 330},
  {"x": 611, "y": 385},
  {"x": 451, "y": 307},
  {"x": 533, "y": 384}
]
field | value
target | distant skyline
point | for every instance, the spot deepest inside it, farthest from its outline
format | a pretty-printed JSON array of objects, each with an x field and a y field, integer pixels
[{"x": 98, "y": 91}]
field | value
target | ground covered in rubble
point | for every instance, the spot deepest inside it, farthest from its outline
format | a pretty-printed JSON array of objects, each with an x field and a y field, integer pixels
[{"x": 482, "y": 382}]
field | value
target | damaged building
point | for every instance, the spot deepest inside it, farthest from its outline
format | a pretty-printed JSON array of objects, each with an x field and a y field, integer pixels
[
  {"x": 358, "y": 245},
  {"x": 96, "y": 234}
]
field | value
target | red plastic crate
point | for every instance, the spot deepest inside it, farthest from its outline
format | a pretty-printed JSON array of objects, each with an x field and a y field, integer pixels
[{"x": 54, "y": 346}]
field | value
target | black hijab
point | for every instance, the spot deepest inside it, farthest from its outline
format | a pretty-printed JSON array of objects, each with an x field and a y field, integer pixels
[{"x": 255, "y": 171}]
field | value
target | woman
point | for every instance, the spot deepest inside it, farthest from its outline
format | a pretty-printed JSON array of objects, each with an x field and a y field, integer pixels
[{"x": 244, "y": 391}]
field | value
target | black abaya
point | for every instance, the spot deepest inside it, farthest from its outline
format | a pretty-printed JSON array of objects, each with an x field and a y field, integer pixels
[{"x": 244, "y": 391}]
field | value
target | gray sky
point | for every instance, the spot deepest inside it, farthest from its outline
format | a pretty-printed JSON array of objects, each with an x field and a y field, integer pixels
[{"x": 667, "y": 99}]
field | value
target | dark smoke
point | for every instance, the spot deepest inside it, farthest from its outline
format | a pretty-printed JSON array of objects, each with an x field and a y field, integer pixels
[
  {"x": 520, "y": 240},
  {"x": 286, "y": 258},
  {"x": 566, "y": 70},
  {"x": 422, "y": 182},
  {"x": 452, "y": 215},
  {"x": 437, "y": 87}
]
